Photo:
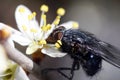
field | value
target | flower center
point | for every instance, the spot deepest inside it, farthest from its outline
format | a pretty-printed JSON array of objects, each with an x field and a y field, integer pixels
[
  {"x": 45, "y": 27},
  {"x": 42, "y": 42}
]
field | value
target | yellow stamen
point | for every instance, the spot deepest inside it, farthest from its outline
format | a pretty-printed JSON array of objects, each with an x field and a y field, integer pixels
[
  {"x": 34, "y": 14},
  {"x": 59, "y": 41},
  {"x": 57, "y": 20},
  {"x": 44, "y": 8},
  {"x": 24, "y": 27},
  {"x": 41, "y": 42},
  {"x": 61, "y": 11},
  {"x": 21, "y": 10},
  {"x": 75, "y": 25},
  {"x": 31, "y": 16},
  {"x": 46, "y": 28},
  {"x": 33, "y": 30},
  {"x": 58, "y": 44},
  {"x": 43, "y": 16}
]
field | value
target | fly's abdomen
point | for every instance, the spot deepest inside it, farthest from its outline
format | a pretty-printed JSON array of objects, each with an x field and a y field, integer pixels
[{"x": 91, "y": 63}]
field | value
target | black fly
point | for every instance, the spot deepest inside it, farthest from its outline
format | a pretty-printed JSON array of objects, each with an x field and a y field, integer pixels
[{"x": 85, "y": 50}]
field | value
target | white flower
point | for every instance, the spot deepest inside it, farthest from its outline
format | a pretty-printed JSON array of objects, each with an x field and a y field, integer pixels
[
  {"x": 34, "y": 35},
  {"x": 8, "y": 69},
  {"x": 3, "y": 60}
]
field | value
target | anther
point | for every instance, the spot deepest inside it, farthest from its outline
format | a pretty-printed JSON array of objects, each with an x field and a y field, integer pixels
[
  {"x": 58, "y": 44},
  {"x": 31, "y": 16},
  {"x": 61, "y": 11},
  {"x": 44, "y": 8},
  {"x": 41, "y": 42},
  {"x": 75, "y": 25}
]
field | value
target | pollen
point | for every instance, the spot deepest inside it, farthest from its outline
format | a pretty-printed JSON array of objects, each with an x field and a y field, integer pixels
[
  {"x": 44, "y": 8},
  {"x": 31, "y": 16},
  {"x": 58, "y": 44},
  {"x": 61, "y": 11},
  {"x": 33, "y": 30},
  {"x": 75, "y": 25},
  {"x": 21, "y": 10},
  {"x": 59, "y": 41},
  {"x": 34, "y": 14},
  {"x": 46, "y": 28},
  {"x": 41, "y": 42},
  {"x": 24, "y": 27}
]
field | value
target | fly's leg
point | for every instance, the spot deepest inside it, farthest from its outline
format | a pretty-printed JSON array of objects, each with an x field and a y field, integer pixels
[{"x": 75, "y": 66}]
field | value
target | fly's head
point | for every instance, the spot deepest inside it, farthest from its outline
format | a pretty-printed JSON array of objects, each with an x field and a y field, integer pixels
[{"x": 57, "y": 34}]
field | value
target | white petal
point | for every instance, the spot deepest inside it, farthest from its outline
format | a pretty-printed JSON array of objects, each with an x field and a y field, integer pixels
[
  {"x": 3, "y": 60},
  {"x": 52, "y": 51},
  {"x": 22, "y": 19},
  {"x": 1, "y": 25},
  {"x": 67, "y": 25},
  {"x": 4, "y": 26},
  {"x": 11, "y": 42},
  {"x": 46, "y": 35},
  {"x": 32, "y": 48},
  {"x": 12, "y": 30},
  {"x": 20, "y": 39},
  {"x": 15, "y": 35},
  {"x": 20, "y": 74}
]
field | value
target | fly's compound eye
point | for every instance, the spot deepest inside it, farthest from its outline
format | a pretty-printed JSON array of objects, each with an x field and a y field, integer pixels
[{"x": 56, "y": 35}]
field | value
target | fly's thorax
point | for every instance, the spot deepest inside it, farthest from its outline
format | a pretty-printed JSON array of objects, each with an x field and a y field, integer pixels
[{"x": 72, "y": 42}]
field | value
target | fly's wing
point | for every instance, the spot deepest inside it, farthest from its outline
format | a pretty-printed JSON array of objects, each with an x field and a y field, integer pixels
[
  {"x": 107, "y": 51},
  {"x": 110, "y": 53}
]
